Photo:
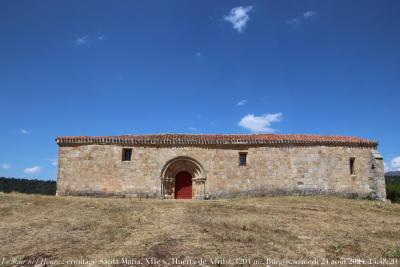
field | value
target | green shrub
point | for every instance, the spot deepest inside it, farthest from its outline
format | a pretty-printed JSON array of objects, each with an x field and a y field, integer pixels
[
  {"x": 393, "y": 192},
  {"x": 393, "y": 253}
]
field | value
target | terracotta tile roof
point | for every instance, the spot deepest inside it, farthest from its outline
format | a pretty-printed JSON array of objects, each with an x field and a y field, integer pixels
[{"x": 219, "y": 139}]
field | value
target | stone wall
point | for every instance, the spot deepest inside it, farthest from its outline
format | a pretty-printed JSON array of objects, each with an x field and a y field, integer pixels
[{"x": 99, "y": 169}]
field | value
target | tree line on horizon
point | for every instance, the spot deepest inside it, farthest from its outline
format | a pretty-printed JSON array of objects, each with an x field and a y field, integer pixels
[{"x": 27, "y": 186}]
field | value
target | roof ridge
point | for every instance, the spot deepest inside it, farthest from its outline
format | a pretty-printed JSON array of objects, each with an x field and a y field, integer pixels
[
  {"x": 213, "y": 134},
  {"x": 201, "y": 139}
]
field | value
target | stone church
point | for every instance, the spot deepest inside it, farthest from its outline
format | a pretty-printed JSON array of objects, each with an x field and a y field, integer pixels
[{"x": 198, "y": 166}]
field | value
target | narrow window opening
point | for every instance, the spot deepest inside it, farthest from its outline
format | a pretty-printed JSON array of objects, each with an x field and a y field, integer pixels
[
  {"x": 242, "y": 159},
  {"x": 126, "y": 154},
  {"x": 352, "y": 170}
]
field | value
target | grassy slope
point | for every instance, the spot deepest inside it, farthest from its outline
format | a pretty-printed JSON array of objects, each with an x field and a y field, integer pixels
[{"x": 275, "y": 227}]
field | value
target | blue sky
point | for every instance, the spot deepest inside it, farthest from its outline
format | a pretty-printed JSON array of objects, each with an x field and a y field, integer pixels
[{"x": 121, "y": 67}]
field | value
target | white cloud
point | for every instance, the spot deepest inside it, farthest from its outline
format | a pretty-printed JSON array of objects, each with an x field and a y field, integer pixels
[
  {"x": 5, "y": 166},
  {"x": 239, "y": 17},
  {"x": 82, "y": 40},
  {"x": 260, "y": 123},
  {"x": 198, "y": 54},
  {"x": 53, "y": 161},
  {"x": 242, "y": 102},
  {"x": 393, "y": 165},
  {"x": 193, "y": 129},
  {"x": 33, "y": 170},
  {"x": 24, "y": 131},
  {"x": 297, "y": 21},
  {"x": 87, "y": 39},
  {"x": 309, "y": 14}
]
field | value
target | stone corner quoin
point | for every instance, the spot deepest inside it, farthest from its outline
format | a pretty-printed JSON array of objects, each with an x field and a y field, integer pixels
[{"x": 213, "y": 165}]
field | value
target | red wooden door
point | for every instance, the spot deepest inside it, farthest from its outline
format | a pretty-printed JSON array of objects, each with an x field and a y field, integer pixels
[{"x": 183, "y": 185}]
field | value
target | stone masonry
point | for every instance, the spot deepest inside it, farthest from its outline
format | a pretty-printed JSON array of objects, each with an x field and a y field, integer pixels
[{"x": 275, "y": 164}]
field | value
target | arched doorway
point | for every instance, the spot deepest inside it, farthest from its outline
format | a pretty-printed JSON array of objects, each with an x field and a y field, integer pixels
[
  {"x": 183, "y": 177},
  {"x": 183, "y": 185}
]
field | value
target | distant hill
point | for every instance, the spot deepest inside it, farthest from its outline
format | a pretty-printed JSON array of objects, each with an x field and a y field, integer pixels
[
  {"x": 394, "y": 173},
  {"x": 27, "y": 186}
]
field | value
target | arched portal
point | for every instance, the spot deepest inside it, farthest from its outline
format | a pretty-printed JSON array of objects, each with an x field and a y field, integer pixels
[{"x": 191, "y": 178}]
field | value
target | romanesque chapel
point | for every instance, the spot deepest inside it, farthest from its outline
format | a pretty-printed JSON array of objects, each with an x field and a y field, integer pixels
[{"x": 198, "y": 166}]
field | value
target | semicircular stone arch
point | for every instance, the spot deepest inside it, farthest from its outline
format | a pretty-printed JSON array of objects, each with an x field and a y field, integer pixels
[{"x": 183, "y": 164}]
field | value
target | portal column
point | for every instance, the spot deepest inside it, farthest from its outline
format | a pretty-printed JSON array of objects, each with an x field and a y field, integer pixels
[
  {"x": 200, "y": 188},
  {"x": 167, "y": 187}
]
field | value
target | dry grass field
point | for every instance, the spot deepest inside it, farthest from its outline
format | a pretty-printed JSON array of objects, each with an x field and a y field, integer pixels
[{"x": 110, "y": 231}]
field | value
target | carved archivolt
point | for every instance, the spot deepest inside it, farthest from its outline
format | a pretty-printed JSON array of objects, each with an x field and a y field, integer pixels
[{"x": 179, "y": 164}]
